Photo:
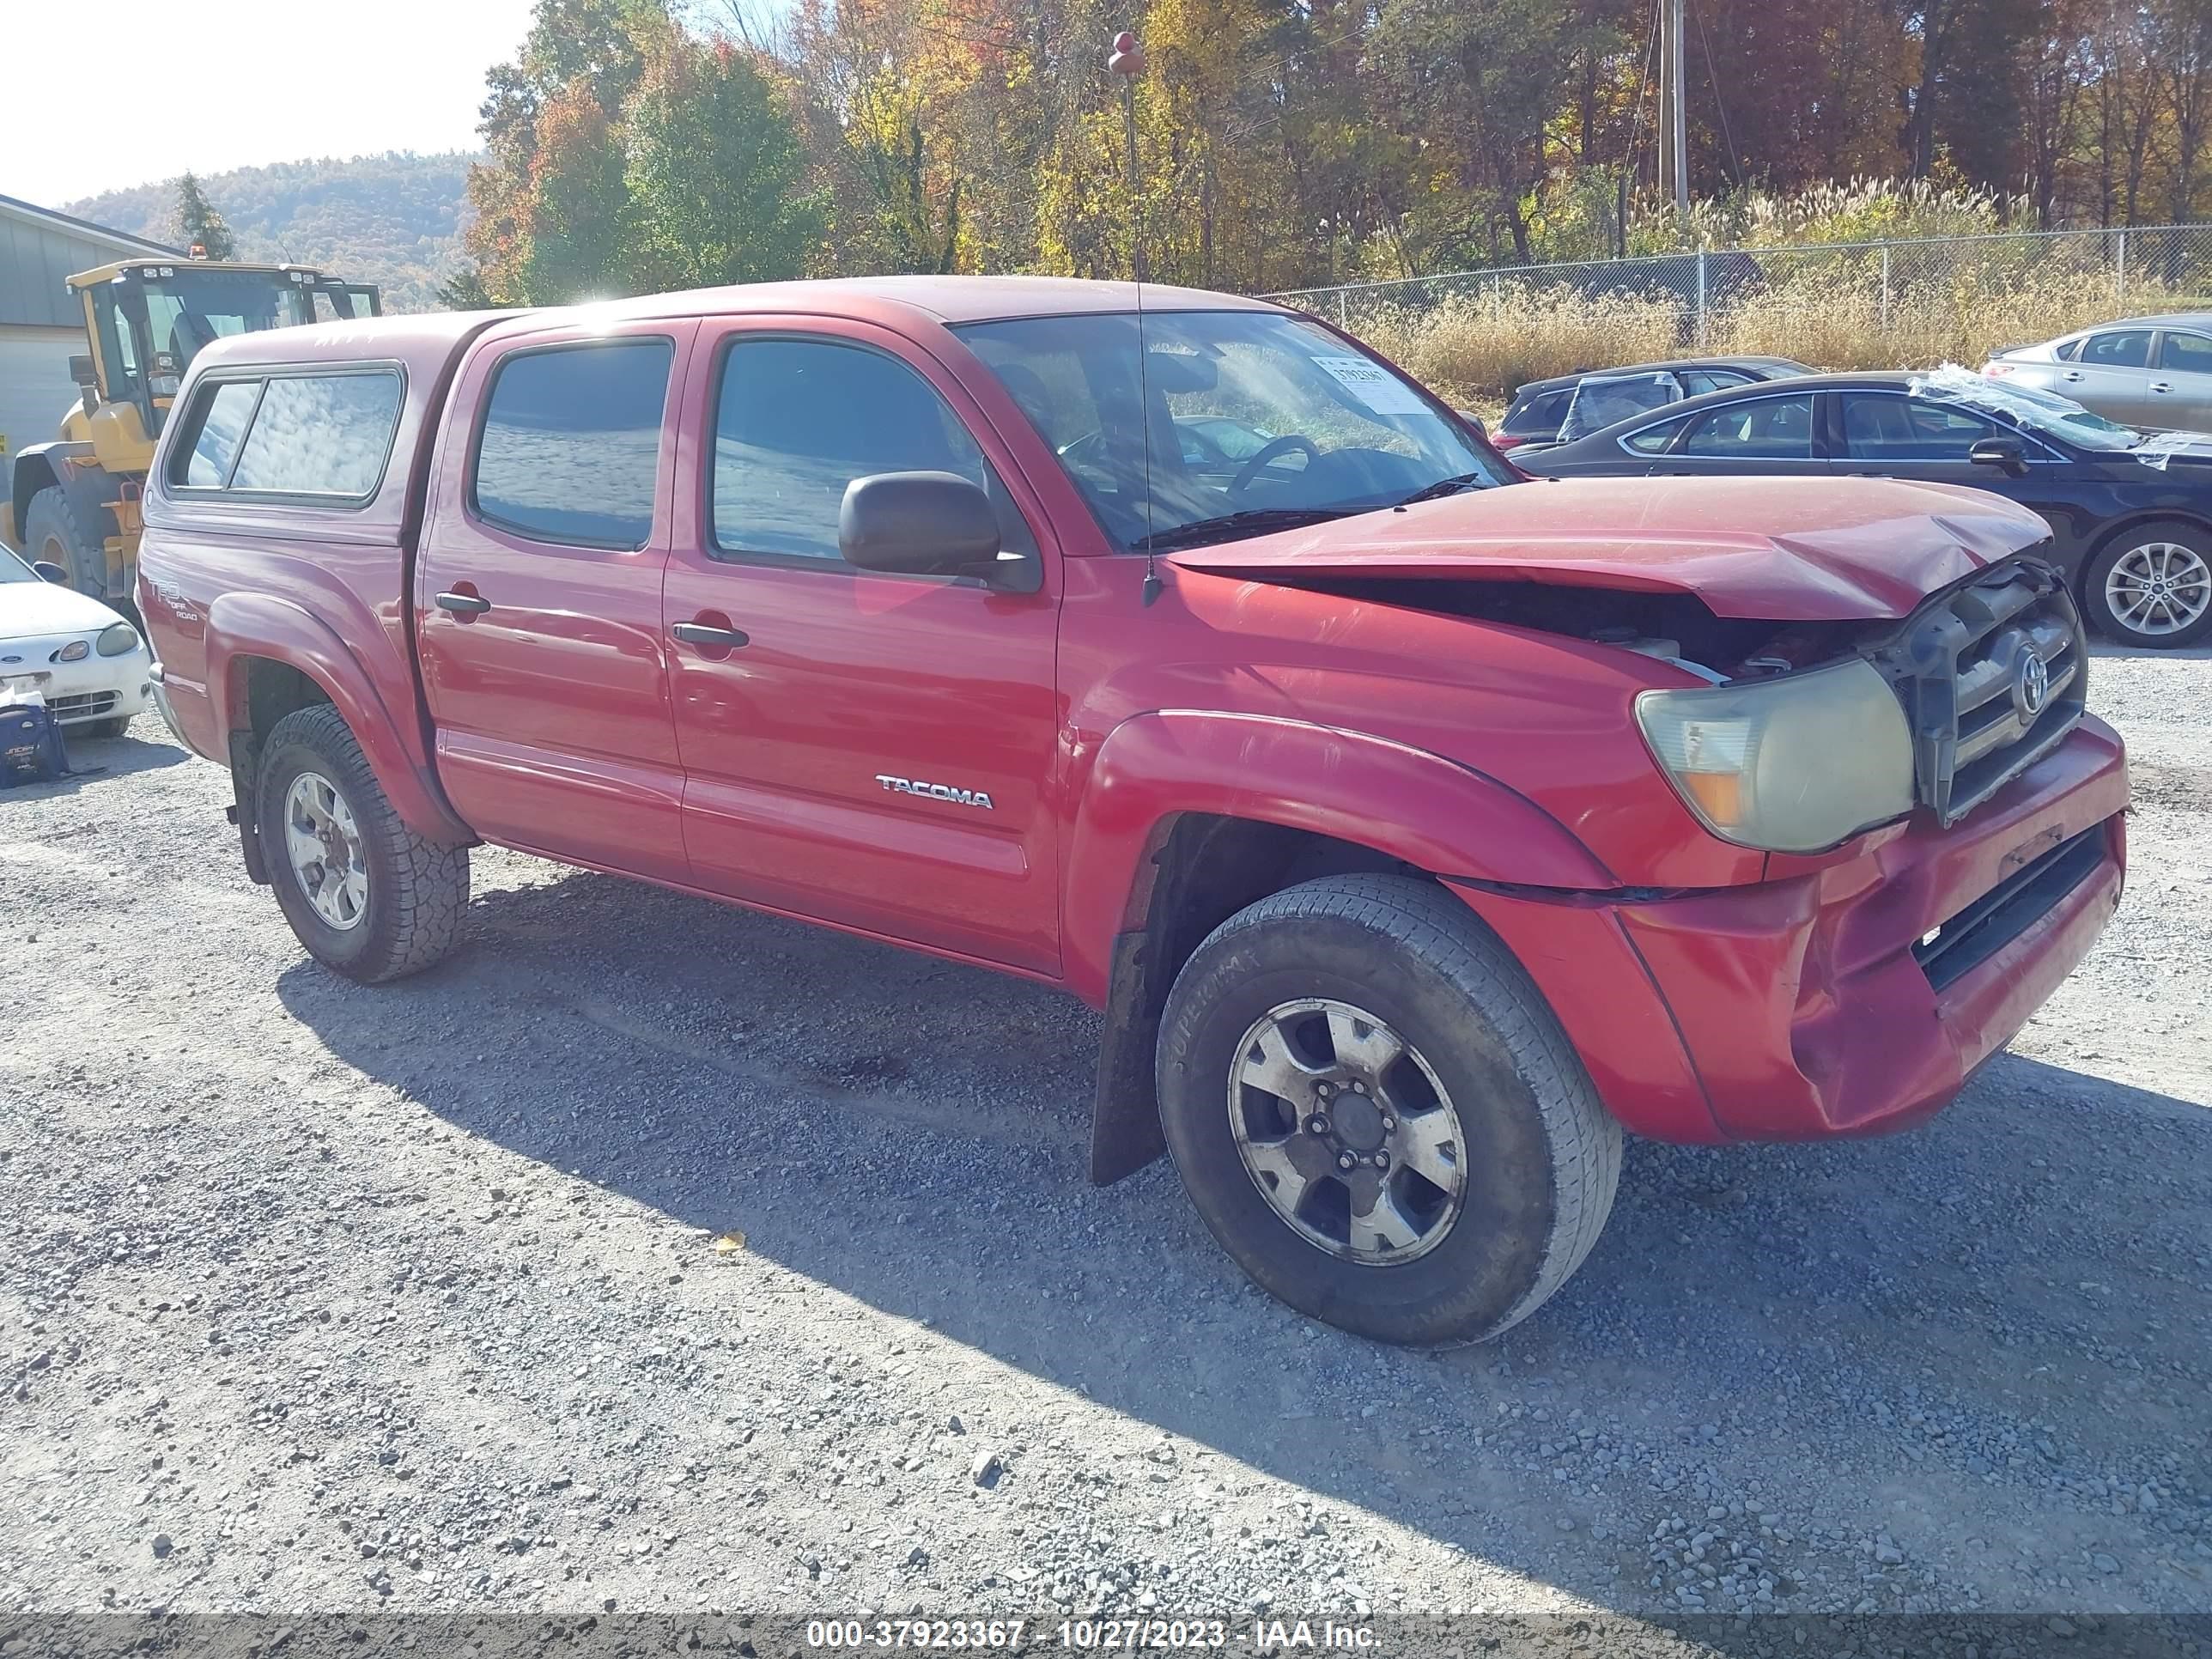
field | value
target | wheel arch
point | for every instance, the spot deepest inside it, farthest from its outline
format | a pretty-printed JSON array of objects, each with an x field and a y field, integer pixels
[
  {"x": 1186, "y": 817},
  {"x": 267, "y": 657}
]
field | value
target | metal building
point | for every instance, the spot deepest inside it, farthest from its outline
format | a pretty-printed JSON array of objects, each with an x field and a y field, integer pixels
[{"x": 41, "y": 322}]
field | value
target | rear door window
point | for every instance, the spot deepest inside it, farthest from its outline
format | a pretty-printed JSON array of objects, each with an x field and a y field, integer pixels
[
  {"x": 569, "y": 451},
  {"x": 1696, "y": 382},
  {"x": 1759, "y": 428},
  {"x": 2118, "y": 348}
]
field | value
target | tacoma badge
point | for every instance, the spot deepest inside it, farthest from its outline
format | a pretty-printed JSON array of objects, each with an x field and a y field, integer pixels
[{"x": 936, "y": 792}]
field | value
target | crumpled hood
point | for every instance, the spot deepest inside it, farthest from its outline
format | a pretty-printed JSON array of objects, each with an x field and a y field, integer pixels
[{"x": 1781, "y": 549}]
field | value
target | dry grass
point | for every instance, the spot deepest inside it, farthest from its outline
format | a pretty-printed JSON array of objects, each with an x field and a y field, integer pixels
[{"x": 1478, "y": 349}]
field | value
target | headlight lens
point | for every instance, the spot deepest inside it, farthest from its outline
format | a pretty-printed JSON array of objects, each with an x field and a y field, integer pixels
[
  {"x": 75, "y": 651},
  {"x": 118, "y": 639},
  {"x": 1793, "y": 765}
]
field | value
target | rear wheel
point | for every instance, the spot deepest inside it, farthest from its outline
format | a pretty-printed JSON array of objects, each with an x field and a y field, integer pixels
[
  {"x": 1377, "y": 1115},
  {"x": 365, "y": 894},
  {"x": 2151, "y": 585},
  {"x": 52, "y": 532}
]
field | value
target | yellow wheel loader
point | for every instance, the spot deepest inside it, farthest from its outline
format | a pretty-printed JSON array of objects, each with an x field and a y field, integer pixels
[{"x": 74, "y": 502}]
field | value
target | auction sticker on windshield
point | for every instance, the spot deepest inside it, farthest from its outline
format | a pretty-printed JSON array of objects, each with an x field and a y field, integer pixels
[{"x": 1380, "y": 390}]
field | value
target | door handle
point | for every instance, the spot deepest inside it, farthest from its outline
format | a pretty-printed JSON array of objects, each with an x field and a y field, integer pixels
[
  {"x": 2071, "y": 375},
  {"x": 2161, "y": 385},
  {"x": 463, "y": 605},
  {"x": 726, "y": 639}
]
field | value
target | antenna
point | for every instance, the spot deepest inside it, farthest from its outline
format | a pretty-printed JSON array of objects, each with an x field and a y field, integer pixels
[
  {"x": 1128, "y": 61},
  {"x": 1144, "y": 421}
]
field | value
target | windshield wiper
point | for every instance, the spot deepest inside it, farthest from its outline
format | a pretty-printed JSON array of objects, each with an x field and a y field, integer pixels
[
  {"x": 1250, "y": 521},
  {"x": 1443, "y": 487}
]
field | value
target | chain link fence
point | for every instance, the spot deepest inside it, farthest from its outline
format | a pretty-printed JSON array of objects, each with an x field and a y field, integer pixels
[{"x": 2154, "y": 267}]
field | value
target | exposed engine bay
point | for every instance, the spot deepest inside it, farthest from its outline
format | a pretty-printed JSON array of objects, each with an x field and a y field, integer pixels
[{"x": 1674, "y": 627}]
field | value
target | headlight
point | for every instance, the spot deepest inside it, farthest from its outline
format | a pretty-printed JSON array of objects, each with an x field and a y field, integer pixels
[
  {"x": 75, "y": 651},
  {"x": 1793, "y": 765},
  {"x": 118, "y": 639}
]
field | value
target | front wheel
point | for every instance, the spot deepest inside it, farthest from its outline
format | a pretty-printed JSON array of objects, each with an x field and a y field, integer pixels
[
  {"x": 2151, "y": 585},
  {"x": 365, "y": 894},
  {"x": 1377, "y": 1115}
]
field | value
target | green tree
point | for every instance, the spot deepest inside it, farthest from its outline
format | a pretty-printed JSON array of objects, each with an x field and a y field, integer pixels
[
  {"x": 715, "y": 171},
  {"x": 198, "y": 225}
]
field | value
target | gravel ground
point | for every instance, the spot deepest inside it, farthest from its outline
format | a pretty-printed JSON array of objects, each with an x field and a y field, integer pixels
[{"x": 651, "y": 1255}]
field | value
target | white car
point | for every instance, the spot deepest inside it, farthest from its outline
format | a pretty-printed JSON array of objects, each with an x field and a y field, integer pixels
[{"x": 87, "y": 664}]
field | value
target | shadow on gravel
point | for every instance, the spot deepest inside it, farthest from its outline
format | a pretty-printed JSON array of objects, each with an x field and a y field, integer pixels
[
  {"x": 912, "y": 1133},
  {"x": 97, "y": 761}
]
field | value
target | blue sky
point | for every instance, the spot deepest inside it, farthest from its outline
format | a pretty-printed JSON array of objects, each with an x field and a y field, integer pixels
[{"x": 147, "y": 89}]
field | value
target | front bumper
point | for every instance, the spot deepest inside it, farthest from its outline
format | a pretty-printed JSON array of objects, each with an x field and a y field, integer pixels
[
  {"x": 1810, "y": 1007},
  {"x": 96, "y": 687}
]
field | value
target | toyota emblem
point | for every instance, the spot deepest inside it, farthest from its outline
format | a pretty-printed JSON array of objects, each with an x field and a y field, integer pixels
[{"x": 2031, "y": 685}]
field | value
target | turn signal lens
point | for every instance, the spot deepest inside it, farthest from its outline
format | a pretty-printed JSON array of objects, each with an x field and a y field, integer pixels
[
  {"x": 75, "y": 651},
  {"x": 1795, "y": 764}
]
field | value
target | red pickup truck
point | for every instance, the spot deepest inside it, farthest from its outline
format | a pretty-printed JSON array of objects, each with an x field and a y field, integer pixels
[{"x": 1418, "y": 828}]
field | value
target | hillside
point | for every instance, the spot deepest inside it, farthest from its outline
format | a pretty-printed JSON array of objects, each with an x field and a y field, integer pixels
[{"x": 393, "y": 219}]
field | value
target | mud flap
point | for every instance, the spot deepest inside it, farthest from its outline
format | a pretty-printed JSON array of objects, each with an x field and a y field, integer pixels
[
  {"x": 1125, "y": 1119},
  {"x": 244, "y": 762}
]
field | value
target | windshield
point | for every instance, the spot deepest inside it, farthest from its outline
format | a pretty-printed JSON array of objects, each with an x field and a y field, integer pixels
[
  {"x": 12, "y": 569},
  {"x": 1255, "y": 418},
  {"x": 2028, "y": 406},
  {"x": 153, "y": 326}
]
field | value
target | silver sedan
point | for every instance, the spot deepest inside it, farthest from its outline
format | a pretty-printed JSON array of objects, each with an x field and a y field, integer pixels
[{"x": 2152, "y": 372}]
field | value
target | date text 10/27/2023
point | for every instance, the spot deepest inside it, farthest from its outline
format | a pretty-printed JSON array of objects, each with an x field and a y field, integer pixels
[{"x": 1090, "y": 1635}]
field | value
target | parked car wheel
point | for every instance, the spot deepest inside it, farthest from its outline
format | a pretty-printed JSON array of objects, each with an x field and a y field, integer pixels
[
  {"x": 2151, "y": 585},
  {"x": 1377, "y": 1115},
  {"x": 114, "y": 726},
  {"x": 365, "y": 894}
]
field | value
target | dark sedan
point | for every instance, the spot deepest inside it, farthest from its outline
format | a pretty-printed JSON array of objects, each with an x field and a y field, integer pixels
[
  {"x": 2131, "y": 516},
  {"x": 1570, "y": 406}
]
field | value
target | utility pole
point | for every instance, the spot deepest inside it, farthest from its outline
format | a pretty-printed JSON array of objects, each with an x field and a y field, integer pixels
[
  {"x": 1675, "y": 124},
  {"x": 1128, "y": 61}
]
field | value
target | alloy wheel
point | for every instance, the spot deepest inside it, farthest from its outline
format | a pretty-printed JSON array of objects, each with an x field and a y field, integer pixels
[
  {"x": 2160, "y": 587},
  {"x": 322, "y": 843},
  {"x": 1346, "y": 1132}
]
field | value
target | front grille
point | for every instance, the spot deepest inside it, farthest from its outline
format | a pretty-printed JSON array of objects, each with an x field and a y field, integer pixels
[
  {"x": 2008, "y": 910},
  {"x": 1968, "y": 665},
  {"x": 87, "y": 705}
]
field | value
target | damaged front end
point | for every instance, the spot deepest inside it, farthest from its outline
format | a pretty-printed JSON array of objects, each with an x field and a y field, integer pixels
[{"x": 1804, "y": 734}]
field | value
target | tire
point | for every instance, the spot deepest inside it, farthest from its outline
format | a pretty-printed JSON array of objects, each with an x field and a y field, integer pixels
[
  {"x": 114, "y": 726},
  {"x": 413, "y": 889},
  {"x": 52, "y": 530},
  {"x": 2128, "y": 568},
  {"x": 1536, "y": 1155}
]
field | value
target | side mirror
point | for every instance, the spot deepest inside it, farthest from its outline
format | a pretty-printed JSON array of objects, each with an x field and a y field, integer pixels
[
  {"x": 2003, "y": 452},
  {"x": 86, "y": 379},
  {"x": 1481, "y": 430},
  {"x": 47, "y": 571},
  {"x": 929, "y": 524}
]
